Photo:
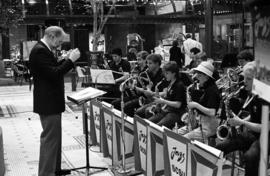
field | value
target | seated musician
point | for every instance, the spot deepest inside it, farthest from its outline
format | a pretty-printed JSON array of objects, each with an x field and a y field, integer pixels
[
  {"x": 120, "y": 67},
  {"x": 154, "y": 73},
  {"x": 173, "y": 105},
  {"x": 118, "y": 64},
  {"x": 246, "y": 140},
  {"x": 131, "y": 98},
  {"x": 207, "y": 105}
]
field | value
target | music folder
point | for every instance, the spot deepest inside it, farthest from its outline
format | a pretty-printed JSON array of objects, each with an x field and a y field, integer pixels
[
  {"x": 100, "y": 76},
  {"x": 85, "y": 95}
]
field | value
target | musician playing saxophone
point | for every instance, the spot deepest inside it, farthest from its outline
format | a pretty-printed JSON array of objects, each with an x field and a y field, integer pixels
[
  {"x": 173, "y": 104},
  {"x": 131, "y": 100},
  {"x": 155, "y": 75},
  {"x": 206, "y": 106},
  {"x": 248, "y": 139}
]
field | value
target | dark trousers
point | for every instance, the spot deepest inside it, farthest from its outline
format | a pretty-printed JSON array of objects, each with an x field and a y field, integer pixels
[
  {"x": 50, "y": 145},
  {"x": 248, "y": 143},
  {"x": 167, "y": 119},
  {"x": 112, "y": 94},
  {"x": 143, "y": 112},
  {"x": 117, "y": 103},
  {"x": 130, "y": 105}
]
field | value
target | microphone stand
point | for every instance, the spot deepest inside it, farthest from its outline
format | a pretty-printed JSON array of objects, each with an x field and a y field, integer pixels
[{"x": 123, "y": 169}]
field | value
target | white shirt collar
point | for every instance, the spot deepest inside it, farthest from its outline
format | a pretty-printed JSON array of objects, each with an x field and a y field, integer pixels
[{"x": 43, "y": 41}]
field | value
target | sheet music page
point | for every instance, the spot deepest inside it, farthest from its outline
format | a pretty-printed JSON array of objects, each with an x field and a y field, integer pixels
[
  {"x": 208, "y": 148},
  {"x": 106, "y": 104},
  {"x": 87, "y": 93},
  {"x": 154, "y": 125},
  {"x": 102, "y": 76},
  {"x": 117, "y": 112}
]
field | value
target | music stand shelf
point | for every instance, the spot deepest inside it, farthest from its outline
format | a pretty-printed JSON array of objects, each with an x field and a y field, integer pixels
[{"x": 81, "y": 98}]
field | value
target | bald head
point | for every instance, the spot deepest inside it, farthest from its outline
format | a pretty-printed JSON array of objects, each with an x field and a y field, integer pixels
[
  {"x": 55, "y": 31},
  {"x": 54, "y": 36}
]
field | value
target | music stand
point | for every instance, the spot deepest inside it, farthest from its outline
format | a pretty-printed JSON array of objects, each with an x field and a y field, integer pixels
[{"x": 80, "y": 98}]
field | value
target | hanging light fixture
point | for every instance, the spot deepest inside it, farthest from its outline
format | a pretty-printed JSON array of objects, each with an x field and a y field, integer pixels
[{"x": 31, "y": 2}]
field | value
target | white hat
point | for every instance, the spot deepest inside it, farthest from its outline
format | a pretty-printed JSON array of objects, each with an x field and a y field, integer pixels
[{"x": 206, "y": 68}]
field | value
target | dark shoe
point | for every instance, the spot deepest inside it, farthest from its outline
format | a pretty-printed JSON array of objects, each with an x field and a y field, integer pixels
[{"x": 62, "y": 172}]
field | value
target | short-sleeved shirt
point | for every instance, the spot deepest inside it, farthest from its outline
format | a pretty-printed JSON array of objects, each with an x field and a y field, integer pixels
[
  {"x": 123, "y": 66},
  {"x": 138, "y": 70},
  {"x": 156, "y": 79},
  {"x": 177, "y": 92},
  {"x": 211, "y": 96},
  {"x": 254, "y": 107}
]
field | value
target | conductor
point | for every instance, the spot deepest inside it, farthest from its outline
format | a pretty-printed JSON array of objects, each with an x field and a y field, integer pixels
[{"x": 49, "y": 100}]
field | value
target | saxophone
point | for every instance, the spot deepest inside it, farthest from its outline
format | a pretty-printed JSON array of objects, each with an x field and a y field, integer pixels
[
  {"x": 190, "y": 116},
  {"x": 225, "y": 131},
  {"x": 156, "y": 108}
]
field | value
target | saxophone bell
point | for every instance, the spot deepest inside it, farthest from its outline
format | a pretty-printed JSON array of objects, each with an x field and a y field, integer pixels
[
  {"x": 184, "y": 118},
  {"x": 223, "y": 132},
  {"x": 142, "y": 101}
]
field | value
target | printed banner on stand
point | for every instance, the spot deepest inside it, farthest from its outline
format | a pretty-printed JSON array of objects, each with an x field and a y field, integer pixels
[
  {"x": 155, "y": 159},
  {"x": 175, "y": 154},
  {"x": 96, "y": 109},
  {"x": 117, "y": 140},
  {"x": 204, "y": 160},
  {"x": 107, "y": 131},
  {"x": 140, "y": 143}
]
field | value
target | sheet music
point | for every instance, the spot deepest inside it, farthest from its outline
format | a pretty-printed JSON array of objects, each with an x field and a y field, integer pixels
[
  {"x": 208, "y": 148},
  {"x": 107, "y": 104},
  {"x": 155, "y": 125},
  {"x": 102, "y": 76},
  {"x": 118, "y": 114},
  {"x": 85, "y": 94}
]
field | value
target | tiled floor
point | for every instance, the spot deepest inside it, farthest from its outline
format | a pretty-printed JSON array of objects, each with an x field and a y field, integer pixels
[
  {"x": 21, "y": 136},
  {"x": 21, "y": 130}
]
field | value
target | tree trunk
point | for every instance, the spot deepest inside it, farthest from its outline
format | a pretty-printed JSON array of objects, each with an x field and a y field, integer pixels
[{"x": 95, "y": 26}]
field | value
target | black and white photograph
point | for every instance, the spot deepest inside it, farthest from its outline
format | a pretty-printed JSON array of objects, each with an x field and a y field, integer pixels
[{"x": 134, "y": 87}]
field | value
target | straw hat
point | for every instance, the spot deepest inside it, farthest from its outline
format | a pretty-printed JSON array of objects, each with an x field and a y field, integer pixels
[{"x": 206, "y": 68}]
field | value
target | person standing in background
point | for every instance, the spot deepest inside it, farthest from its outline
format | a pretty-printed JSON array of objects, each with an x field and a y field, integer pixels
[
  {"x": 188, "y": 44},
  {"x": 176, "y": 54},
  {"x": 49, "y": 99},
  {"x": 243, "y": 57}
]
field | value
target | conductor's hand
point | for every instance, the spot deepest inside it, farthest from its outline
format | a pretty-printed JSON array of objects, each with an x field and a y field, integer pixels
[{"x": 74, "y": 55}]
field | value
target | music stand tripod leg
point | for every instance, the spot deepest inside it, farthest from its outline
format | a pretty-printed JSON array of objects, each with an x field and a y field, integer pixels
[{"x": 87, "y": 162}]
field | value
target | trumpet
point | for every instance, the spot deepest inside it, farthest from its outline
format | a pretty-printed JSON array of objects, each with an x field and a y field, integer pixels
[{"x": 224, "y": 131}]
